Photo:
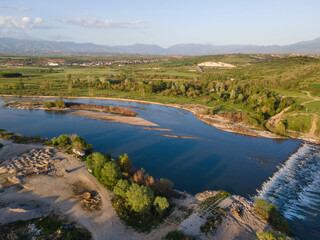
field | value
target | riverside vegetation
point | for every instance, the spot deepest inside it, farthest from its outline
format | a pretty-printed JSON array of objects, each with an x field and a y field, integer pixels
[
  {"x": 141, "y": 201},
  {"x": 277, "y": 93}
]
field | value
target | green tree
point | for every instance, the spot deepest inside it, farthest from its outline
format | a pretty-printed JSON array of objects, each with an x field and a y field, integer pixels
[
  {"x": 110, "y": 174},
  {"x": 96, "y": 161},
  {"x": 161, "y": 204},
  {"x": 140, "y": 198},
  {"x": 79, "y": 143},
  {"x": 121, "y": 188},
  {"x": 125, "y": 162},
  {"x": 64, "y": 140}
]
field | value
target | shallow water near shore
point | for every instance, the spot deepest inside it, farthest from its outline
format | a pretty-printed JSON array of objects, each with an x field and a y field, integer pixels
[{"x": 211, "y": 159}]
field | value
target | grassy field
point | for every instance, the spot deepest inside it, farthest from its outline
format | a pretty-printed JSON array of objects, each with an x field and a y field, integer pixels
[{"x": 258, "y": 83}]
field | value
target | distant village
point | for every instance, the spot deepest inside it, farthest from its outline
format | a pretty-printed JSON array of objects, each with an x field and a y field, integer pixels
[{"x": 88, "y": 64}]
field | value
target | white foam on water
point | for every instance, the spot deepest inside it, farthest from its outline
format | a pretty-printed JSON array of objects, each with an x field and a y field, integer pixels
[{"x": 295, "y": 187}]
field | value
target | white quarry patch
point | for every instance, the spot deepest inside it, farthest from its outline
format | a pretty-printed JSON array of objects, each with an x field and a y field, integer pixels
[{"x": 216, "y": 64}]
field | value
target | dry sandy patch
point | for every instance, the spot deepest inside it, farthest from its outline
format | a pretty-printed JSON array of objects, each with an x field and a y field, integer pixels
[
  {"x": 216, "y": 64},
  {"x": 114, "y": 118}
]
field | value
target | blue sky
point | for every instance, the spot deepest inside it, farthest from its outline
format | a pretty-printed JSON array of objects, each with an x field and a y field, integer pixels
[{"x": 165, "y": 23}]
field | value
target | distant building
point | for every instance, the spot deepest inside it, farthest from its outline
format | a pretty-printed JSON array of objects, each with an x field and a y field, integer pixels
[{"x": 53, "y": 64}]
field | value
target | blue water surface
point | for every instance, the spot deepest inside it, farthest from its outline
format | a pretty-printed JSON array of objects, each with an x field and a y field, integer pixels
[{"x": 215, "y": 160}]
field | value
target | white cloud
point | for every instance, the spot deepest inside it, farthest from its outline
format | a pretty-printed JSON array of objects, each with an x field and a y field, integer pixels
[
  {"x": 21, "y": 23},
  {"x": 90, "y": 22}
]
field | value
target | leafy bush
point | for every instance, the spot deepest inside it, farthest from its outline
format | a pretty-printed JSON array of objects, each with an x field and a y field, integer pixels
[
  {"x": 18, "y": 138},
  {"x": 271, "y": 235},
  {"x": 121, "y": 188},
  {"x": 140, "y": 222},
  {"x": 269, "y": 212},
  {"x": 1, "y": 145},
  {"x": 125, "y": 162},
  {"x": 164, "y": 187},
  {"x": 161, "y": 204},
  {"x": 64, "y": 140},
  {"x": 79, "y": 143},
  {"x": 207, "y": 227},
  {"x": 56, "y": 103},
  {"x": 48, "y": 104},
  {"x": 59, "y": 103},
  {"x": 178, "y": 235},
  {"x": 140, "y": 198}
]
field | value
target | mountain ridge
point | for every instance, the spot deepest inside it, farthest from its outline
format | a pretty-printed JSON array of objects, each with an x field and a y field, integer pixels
[{"x": 40, "y": 47}]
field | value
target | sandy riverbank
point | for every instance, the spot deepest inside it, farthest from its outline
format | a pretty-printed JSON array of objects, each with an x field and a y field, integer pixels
[{"x": 34, "y": 183}]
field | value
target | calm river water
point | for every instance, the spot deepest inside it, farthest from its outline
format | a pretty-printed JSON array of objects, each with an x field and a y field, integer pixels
[
  {"x": 216, "y": 160},
  {"x": 286, "y": 172}
]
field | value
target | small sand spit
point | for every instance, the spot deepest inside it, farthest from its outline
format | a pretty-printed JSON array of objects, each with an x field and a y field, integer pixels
[
  {"x": 157, "y": 129},
  {"x": 114, "y": 118},
  {"x": 174, "y": 136}
]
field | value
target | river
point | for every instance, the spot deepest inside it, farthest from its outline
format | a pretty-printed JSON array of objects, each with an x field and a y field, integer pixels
[{"x": 214, "y": 160}]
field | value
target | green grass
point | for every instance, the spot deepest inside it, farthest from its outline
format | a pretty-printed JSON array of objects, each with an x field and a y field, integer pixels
[
  {"x": 299, "y": 123},
  {"x": 285, "y": 75}
]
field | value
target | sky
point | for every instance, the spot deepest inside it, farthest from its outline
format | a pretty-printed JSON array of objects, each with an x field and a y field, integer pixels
[{"x": 164, "y": 23}]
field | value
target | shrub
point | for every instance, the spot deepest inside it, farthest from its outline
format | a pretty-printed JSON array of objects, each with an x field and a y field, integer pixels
[
  {"x": 140, "y": 198},
  {"x": 121, "y": 188},
  {"x": 161, "y": 204},
  {"x": 125, "y": 163},
  {"x": 269, "y": 212},
  {"x": 178, "y": 235},
  {"x": 207, "y": 227},
  {"x": 54, "y": 142},
  {"x": 164, "y": 186},
  {"x": 48, "y": 104},
  {"x": 79, "y": 143},
  {"x": 271, "y": 235},
  {"x": 64, "y": 140},
  {"x": 59, "y": 103},
  {"x": 1, "y": 145},
  {"x": 96, "y": 161},
  {"x": 110, "y": 174}
]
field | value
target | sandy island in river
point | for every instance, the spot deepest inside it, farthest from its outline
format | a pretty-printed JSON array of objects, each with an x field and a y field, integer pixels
[
  {"x": 158, "y": 129},
  {"x": 174, "y": 136},
  {"x": 115, "y": 118}
]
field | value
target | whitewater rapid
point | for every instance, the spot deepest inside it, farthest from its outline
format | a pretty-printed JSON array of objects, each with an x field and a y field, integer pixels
[{"x": 295, "y": 187}]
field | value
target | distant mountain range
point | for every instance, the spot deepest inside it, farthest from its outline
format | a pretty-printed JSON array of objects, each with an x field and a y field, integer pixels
[{"x": 41, "y": 47}]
